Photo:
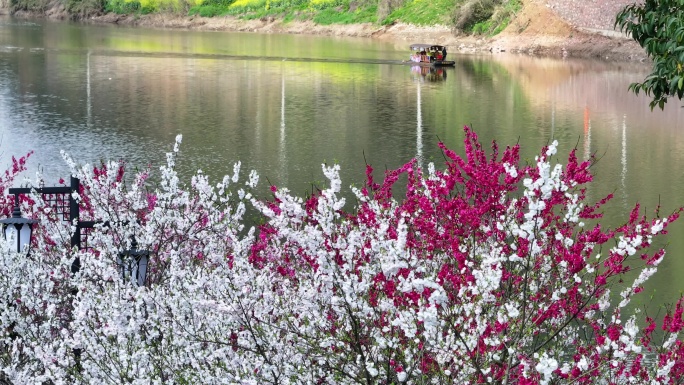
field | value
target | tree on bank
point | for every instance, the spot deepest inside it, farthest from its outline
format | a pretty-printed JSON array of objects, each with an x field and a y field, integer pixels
[{"x": 658, "y": 26}]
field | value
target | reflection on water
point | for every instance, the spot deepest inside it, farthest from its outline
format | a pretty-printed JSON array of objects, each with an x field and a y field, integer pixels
[
  {"x": 623, "y": 158},
  {"x": 639, "y": 151},
  {"x": 429, "y": 73},
  {"x": 587, "y": 133},
  {"x": 106, "y": 93},
  {"x": 419, "y": 128},
  {"x": 282, "y": 149}
]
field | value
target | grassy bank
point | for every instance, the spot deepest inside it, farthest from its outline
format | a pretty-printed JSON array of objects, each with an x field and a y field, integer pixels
[{"x": 484, "y": 17}]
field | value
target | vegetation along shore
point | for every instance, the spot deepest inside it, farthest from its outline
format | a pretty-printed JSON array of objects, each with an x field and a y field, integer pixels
[{"x": 536, "y": 27}]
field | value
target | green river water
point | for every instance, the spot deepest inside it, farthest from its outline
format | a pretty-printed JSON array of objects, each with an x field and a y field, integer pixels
[{"x": 284, "y": 104}]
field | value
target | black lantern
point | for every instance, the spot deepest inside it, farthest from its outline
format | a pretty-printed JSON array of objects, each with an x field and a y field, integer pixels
[
  {"x": 133, "y": 264},
  {"x": 18, "y": 229}
]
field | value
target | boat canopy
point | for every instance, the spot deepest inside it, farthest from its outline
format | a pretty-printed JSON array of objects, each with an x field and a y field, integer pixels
[{"x": 426, "y": 47}]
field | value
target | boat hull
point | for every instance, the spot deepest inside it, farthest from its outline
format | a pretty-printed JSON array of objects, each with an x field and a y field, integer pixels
[{"x": 437, "y": 63}]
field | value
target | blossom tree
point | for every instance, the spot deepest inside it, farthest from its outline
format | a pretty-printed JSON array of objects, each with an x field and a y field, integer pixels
[
  {"x": 484, "y": 271},
  {"x": 468, "y": 280}
]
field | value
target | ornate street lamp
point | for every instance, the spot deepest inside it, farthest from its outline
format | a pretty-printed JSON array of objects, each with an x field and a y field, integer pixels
[
  {"x": 132, "y": 264},
  {"x": 18, "y": 229}
]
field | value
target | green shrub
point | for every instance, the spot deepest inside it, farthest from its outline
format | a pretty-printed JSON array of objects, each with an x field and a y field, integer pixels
[
  {"x": 295, "y": 16},
  {"x": 422, "y": 12},
  {"x": 84, "y": 8},
  {"x": 246, "y": 6},
  {"x": 325, "y": 4},
  {"x": 218, "y": 3},
  {"x": 122, "y": 7},
  {"x": 180, "y": 7},
  {"x": 207, "y": 10},
  {"x": 29, "y": 5},
  {"x": 288, "y": 4},
  {"x": 386, "y": 7},
  {"x": 503, "y": 15},
  {"x": 286, "y": 10},
  {"x": 336, "y": 16},
  {"x": 502, "y": 25},
  {"x": 211, "y": 8},
  {"x": 485, "y": 17},
  {"x": 482, "y": 27},
  {"x": 473, "y": 12}
]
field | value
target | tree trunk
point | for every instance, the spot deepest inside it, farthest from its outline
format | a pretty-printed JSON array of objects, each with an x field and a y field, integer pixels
[{"x": 385, "y": 7}]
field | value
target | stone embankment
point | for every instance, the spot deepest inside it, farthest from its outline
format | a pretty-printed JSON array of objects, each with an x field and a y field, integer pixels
[{"x": 597, "y": 15}]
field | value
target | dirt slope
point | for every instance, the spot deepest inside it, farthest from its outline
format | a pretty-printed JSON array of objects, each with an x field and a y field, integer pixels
[{"x": 543, "y": 27}]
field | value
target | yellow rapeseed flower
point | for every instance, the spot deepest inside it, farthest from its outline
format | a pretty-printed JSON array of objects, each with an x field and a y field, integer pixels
[
  {"x": 321, "y": 2},
  {"x": 247, "y": 3}
]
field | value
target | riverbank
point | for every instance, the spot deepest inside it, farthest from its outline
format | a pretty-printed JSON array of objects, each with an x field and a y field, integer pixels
[
  {"x": 535, "y": 31},
  {"x": 540, "y": 28}
]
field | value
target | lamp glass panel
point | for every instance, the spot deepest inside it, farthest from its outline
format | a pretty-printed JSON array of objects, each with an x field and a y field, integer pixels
[
  {"x": 123, "y": 263},
  {"x": 11, "y": 237},
  {"x": 24, "y": 237},
  {"x": 142, "y": 270},
  {"x": 132, "y": 268}
]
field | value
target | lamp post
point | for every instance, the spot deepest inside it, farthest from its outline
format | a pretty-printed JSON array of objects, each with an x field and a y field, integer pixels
[
  {"x": 132, "y": 264},
  {"x": 18, "y": 228},
  {"x": 62, "y": 198}
]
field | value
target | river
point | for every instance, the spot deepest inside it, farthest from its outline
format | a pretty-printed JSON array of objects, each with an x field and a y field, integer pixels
[{"x": 284, "y": 104}]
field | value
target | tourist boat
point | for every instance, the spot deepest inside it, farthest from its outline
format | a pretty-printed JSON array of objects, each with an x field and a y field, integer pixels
[{"x": 429, "y": 55}]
